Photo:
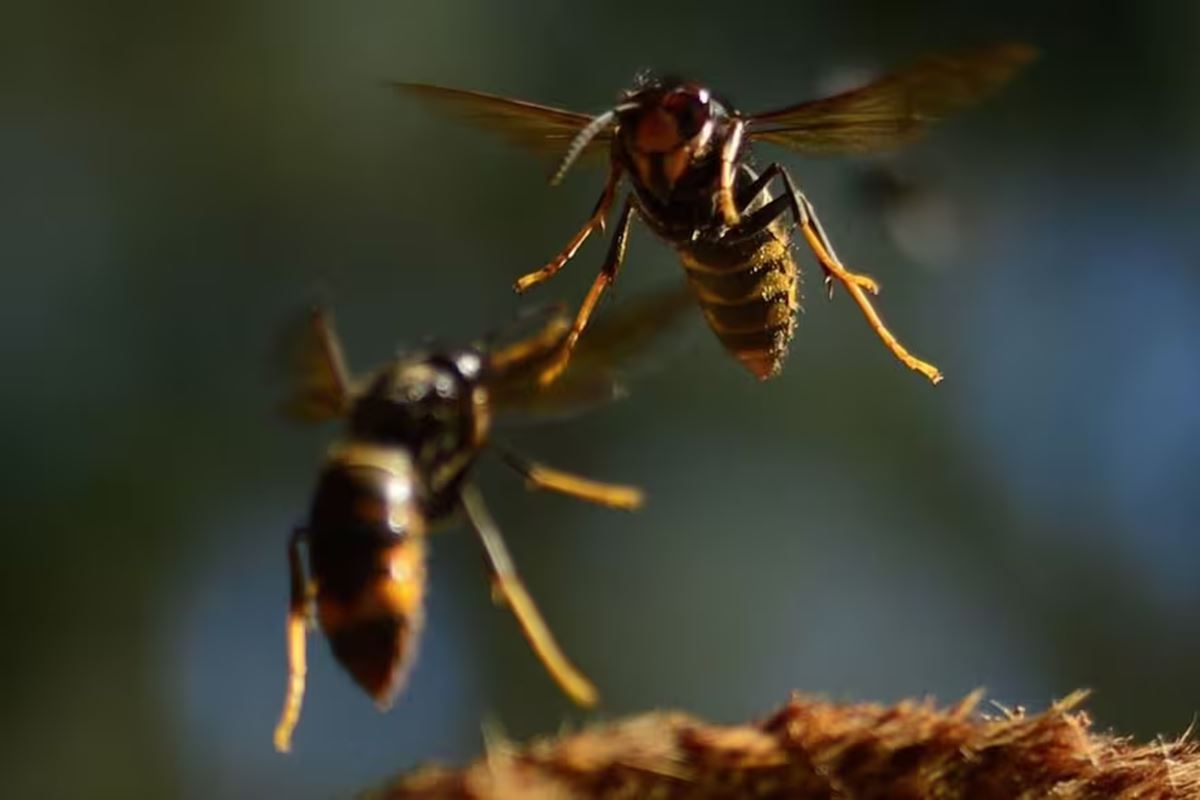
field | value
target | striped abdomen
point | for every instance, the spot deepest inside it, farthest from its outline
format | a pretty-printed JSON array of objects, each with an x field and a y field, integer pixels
[
  {"x": 374, "y": 635},
  {"x": 749, "y": 292},
  {"x": 366, "y": 544}
]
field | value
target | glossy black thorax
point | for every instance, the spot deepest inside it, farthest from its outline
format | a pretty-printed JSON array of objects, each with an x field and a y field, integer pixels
[{"x": 434, "y": 408}]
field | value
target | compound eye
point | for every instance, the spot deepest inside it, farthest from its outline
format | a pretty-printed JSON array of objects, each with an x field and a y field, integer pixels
[{"x": 691, "y": 110}]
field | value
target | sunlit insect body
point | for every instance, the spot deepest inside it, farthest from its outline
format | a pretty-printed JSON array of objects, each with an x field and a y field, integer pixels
[
  {"x": 413, "y": 434},
  {"x": 414, "y": 430},
  {"x": 746, "y": 280},
  {"x": 747, "y": 284},
  {"x": 686, "y": 155}
]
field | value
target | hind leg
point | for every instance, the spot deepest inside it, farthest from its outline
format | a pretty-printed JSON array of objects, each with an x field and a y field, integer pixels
[
  {"x": 540, "y": 476},
  {"x": 507, "y": 587},
  {"x": 805, "y": 217},
  {"x": 297, "y": 619}
]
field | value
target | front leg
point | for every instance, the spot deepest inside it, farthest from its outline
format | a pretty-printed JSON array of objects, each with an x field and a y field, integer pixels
[
  {"x": 729, "y": 153},
  {"x": 595, "y": 223}
]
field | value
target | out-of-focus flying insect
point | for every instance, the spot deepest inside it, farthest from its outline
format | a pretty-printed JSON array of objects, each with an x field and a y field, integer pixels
[
  {"x": 415, "y": 428},
  {"x": 685, "y": 153}
]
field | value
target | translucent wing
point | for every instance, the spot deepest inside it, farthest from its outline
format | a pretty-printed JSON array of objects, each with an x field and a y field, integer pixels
[
  {"x": 895, "y": 109},
  {"x": 541, "y": 129},
  {"x": 610, "y": 350},
  {"x": 533, "y": 328},
  {"x": 319, "y": 386}
]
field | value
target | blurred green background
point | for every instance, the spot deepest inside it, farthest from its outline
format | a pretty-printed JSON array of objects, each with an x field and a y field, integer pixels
[{"x": 176, "y": 180}]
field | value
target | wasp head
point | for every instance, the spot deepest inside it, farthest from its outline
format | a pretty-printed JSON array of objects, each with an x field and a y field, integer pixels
[{"x": 665, "y": 125}]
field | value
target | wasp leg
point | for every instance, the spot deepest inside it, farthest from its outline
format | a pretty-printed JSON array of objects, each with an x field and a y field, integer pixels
[
  {"x": 595, "y": 223},
  {"x": 806, "y": 217},
  {"x": 793, "y": 200},
  {"x": 830, "y": 263},
  {"x": 750, "y": 192},
  {"x": 297, "y": 662},
  {"x": 608, "y": 274},
  {"x": 539, "y": 345},
  {"x": 507, "y": 588},
  {"x": 729, "y": 151},
  {"x": 539, "y": 476}
]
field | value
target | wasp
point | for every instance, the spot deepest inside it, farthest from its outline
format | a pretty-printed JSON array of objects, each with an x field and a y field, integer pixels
[
  {"x": 685, "y": 152},
  {"x": 414, "y": 428}
]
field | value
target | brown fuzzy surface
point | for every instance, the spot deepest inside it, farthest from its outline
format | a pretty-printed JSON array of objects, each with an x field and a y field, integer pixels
[{"x": 812, "y": 748}]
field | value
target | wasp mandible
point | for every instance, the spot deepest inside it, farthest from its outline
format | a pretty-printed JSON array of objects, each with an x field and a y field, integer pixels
[
  {"x": 415, "y": 428},
  {"x": 685, "y": 153}
]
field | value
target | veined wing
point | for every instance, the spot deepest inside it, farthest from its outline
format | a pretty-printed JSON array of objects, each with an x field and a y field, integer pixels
[
  {"x": 895, "y": 109},
  {"x": 539, "y": 128},
  {"x": 319, "y": 385},
  {"x": 614, "y": 346}
]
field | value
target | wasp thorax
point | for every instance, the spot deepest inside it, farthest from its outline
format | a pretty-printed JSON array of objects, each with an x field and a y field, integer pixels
[{"x": 419, "y": 403}]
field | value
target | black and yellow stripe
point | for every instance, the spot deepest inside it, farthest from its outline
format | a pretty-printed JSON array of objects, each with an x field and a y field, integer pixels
[{"x": 749, "y": 293}]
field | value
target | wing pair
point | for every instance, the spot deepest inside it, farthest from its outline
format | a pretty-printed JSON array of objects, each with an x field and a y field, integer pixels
[
  {"x": 322, "y": 387},
  {"x": 889, "y": 112}
]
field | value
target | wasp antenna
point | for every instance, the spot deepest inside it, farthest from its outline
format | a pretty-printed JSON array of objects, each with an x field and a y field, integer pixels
[{"x": 585, "y": 135}]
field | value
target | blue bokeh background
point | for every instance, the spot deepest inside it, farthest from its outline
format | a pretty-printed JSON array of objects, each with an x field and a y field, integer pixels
[{"x": 177, "y": 179}]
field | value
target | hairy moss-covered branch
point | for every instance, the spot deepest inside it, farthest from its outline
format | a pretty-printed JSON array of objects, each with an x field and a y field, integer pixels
[{"x": 815, "y": 749}]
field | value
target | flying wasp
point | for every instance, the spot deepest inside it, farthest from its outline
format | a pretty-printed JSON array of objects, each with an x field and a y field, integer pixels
[
  {"x": 685, "y": 153},
  {"x": 415, "y": 427}
]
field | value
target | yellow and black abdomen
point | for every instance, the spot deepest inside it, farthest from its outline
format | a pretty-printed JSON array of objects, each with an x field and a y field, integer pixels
[
  {"x": 749, "y": 292},
  {"x": 366, "y": 545}
]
